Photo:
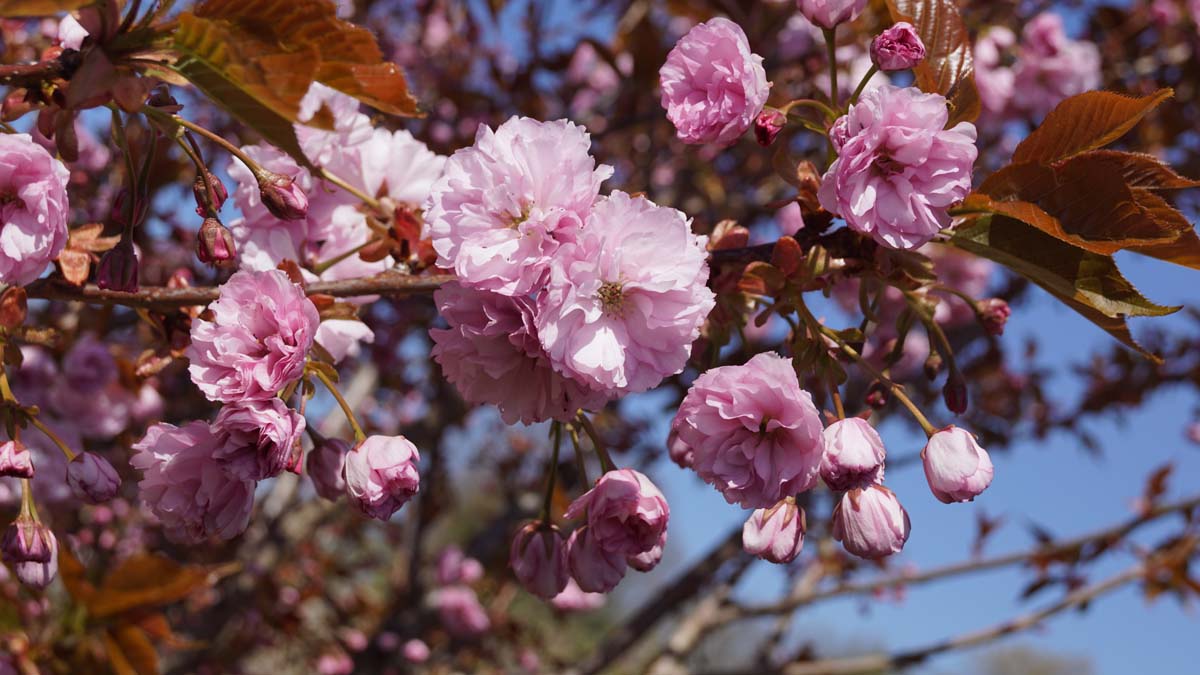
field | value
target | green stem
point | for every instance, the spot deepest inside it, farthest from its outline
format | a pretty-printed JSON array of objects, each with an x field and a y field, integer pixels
[
  {"x": 202, "y": 170},
  {"x": 362, "y": 196},
  {"x": 359, "y": 436},
  {"x": 831, "y": 50},
  {"x": 28, "y": 507},
  {"x": 828, "y": 112},
  {"x": 552, "y": 471},
  {"x": 52, "y": 436},
  {"x": 580, "y": 462},
  {"x": 324, "y": 265},
  {"x": 862, "y": 84},
  {"x": 606, "y": 463}
]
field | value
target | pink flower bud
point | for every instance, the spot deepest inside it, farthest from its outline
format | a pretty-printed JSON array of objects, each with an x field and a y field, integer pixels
[
  {"x": 282, "y": 197},
  {"x": 870, "y": 522},
  {"x": 955, "y": 393},
  {"x": 538, "y": 558},
  {"x": 593, "y": 568},
  {"x": 118, "y": 269},
  {"x": 325, "y": 464},
  {"x": 216, "y": 193},
  {"x": 854, "y": 454},
  {"x": 897, "y": 48},
  {"x": 416, "y": 651},
  {"x": 775, "y": 534},
  {"x": 627, "y": 515},
  {"x": 15, "y": 460},
  {"x": 956, "y": 468},
  {"x": 92, "y": 478},
  {"x": 381, "y": 475},
  {"x": 214, "y": 244},
  {"x": 993, "y": 314},
  {"x": 27, "y": 540},
  {"x": 767, "y": 126},
  {"x": 39, "y": 574},
  {"x": 830, "y": 13}
]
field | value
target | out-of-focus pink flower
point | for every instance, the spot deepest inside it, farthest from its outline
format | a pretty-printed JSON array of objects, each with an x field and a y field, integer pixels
[
  {"x": 713, "y": 86},
  {"x": 956, "y": 467},
  {"x": 897, "y": 48},
  {"x": 1166, "y": 12},
  {"x": 995, "y": 80},
  {"x": 994, "y": 314},
  {"x": 854, "y": 454},
  {"x": 963, "y": 272},
  {"x": 626, "y": 513},
  {"x": 898, "y": 169},
  {"x": 619, "y": 315},
  {"x": 575, "y": 599},
  {"x": 1194, "y": 7},
  {"x": 491, "y": 354},
  {"x": 870, "y": 522},
  {"x": 381, "y": 475},
  {"x": 755, "y": 435},
  {"x": 258, "y": 439},
  {"x": 456, "y": 567},
  {"x": 89, "y": 367},
  {"x": 256, "y": 344},
  {"x": 415, "y": 651},
  {"x": 830, "y": 13},
  {"x": 325, "y": 465},
  {"x": 775, "y": 534},
  {"x": 187, "y": 488},
  {"x": 1051, "y": 66},
  {"x": 92, "y": 478},
  {"x": 593, "y": 568},
  {"x": 538, "y": 557},
  {"x": 506, "y": 204},
  {"x": 33, "y": 209},
  {"x": 459, "y": 611},
  {"x": 15, "y": 460}
]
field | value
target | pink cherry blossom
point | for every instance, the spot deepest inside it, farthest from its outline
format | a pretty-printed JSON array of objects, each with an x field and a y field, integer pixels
[
  {"x": 870, "y": 522},
  {"x": 775, "y": 534},
  {"x": 853, "y": 454},
  {"x": 754, "y": 434},
  {"x": 898, "y": 169},
  {"x": 33, "y": 208},
  {"x": 16, "y": 460},
  {"x": 594, "y": 569},
  {"x": 459, "y": 611},
  {"x": 325, "y": 465},
  {"x": 1051, "y": 66},
  {"x": 187, "y": 488},
  {"x": 538, "y": 558},
  {"x": 619, "y": 315},
  {"x": 258, "y": 439},
  {"x": 506, "y": 204},
  {"x": 713, "y": 86},
  {"x": 626, "y": 514},
  {"x": 257, "y": 341},
  {"x": 897, "y": 48},
  {"x": 995, "y": 80},
  {"x": 491, "y": 353},
  {"x": 830, "y": 13},
  {"x": 957, "y": 468},
  {"x": 456, "y": 567},
  {"x": 381, "y": 475}
]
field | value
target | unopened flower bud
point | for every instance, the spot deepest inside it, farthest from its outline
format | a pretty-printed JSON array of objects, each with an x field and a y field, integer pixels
[
  {"x": 854, "y": 454},
  {"x": 767, "y": 126},
  {"x": 92, "y": 478},
  {"x": 15, "y": 460},
  {"x": 215, "y": 190},
  {"x": 933, "y": 365},
  {"x": 776, "y": 534},
  {"x": 539, "y": 559},
  {"x": 214, "y": 244},
  {"x": 870, "y": 522},
  {"x": 955, "y": 393},
  {"x": 325, "y": 464},
  {"x": 956, "y": 467},
  {"x": 118, "y": 269},
  {"x": 877, "y": 396},
  {"x": 126, "y": 205},
  {"x": 26, "y": 540},
  {"x": 993, "y": 314},
  {"x": 897, "y": 48},
  {"x": 595, "y": 569},
  {"x": 282, "y": 197},
  {"x": 381, "y": 475}
]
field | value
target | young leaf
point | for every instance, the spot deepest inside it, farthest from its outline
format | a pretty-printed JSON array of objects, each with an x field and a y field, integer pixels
[
  {"x": 1141, "y": 170},
  {"x": 948, "y": 66},
  {"x": 17, "y": 8},
  {"x": 146, "y": 581},
  {"x": 1085, "y": 122}
]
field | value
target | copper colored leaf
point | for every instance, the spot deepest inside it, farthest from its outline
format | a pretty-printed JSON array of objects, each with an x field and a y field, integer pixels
[
  {"x": 948, "y": 65},
  {"x": 130, "y": 650},
  {"x": 14, "y": 8},
  {"x": 1085, "y": 122},
  {"x": 1086, "y": 282},
  {"x": 74, "y": 576},
  {"x": 1185, "y": 249},
  {"x": 787, "y": 256},
  {"x": 145, "y": 581},
  {"x": 761, "y": 278},
  {"x": 1141, "y": 170}
]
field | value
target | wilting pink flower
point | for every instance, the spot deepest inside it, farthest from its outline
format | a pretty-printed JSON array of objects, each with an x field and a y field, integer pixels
[
  {"x": 256, "y": 344},
  {"x": 870, "y": 522},
  {"x": 898, "y": 169},
  {"x": 456, "y": 567},
  {"x": 994, "y": 79},
  {"x": 326, "y": 462},
  {"x": 491, "y": 354},
  {"x": 506, "y": 204},
  {"x": 775, "y": 534},
  {"x": 459, "y": 611},
  {"x": 713, "y": 86},
  {"x": 957, "y": 469},
  {"x": 767, "y": 126},
  {"x": 619, "y": 315},
  {"x": 626, "y": 517},
  {"x": 31, "y": 549},
  {"x": 538, "y": 558},
  {"x": 853, "y": 454},
  {"x": 415, "y": 651},
  {"x": 258, "y": 439},
  {"x": 15, "y": 460},
  {"x": 92, "y": 478},
  {"x": 381, "y": 475},
  {"x": 186, "y": 487},
  {"x": 830, "y": 13},
  {"x": 575, "y": 599},
  {"x": 593, "y": 568},
  {"x": 754, "y": 433},
  {"x": 33, "y": 209},
  {"x": 1051, "y": 66},
  {"x": 897, "y": 48}
]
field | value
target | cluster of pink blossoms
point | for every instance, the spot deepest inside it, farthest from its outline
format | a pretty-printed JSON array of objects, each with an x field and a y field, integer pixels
[{"x": 33, "y": 209}]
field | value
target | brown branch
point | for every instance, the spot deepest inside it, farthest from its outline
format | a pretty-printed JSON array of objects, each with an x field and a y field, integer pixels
[
  {"x": 165, "y": 299},
  {"x": 31, "y": 75}
]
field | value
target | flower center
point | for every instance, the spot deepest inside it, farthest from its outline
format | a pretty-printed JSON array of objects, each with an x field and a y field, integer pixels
[
  {"x": 612, "y": 297},
  {"x": 888, "y": 166},
  {"x": 514, "y": 222}
]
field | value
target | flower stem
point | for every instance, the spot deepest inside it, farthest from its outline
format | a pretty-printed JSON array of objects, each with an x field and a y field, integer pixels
[
  {"x": 580, "y": 463},
  {"x": 862, "y": 84},
  {"x": 28, "y": 507},
  {"x": 606, "y": 463},
  {"x": 831, "y": 49},
  {"x": 552, "y": 471},
  {"x": 359, "y": 436},
  {"x": 52, "y": 436},
  {"x": 362, "y": 196}
]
